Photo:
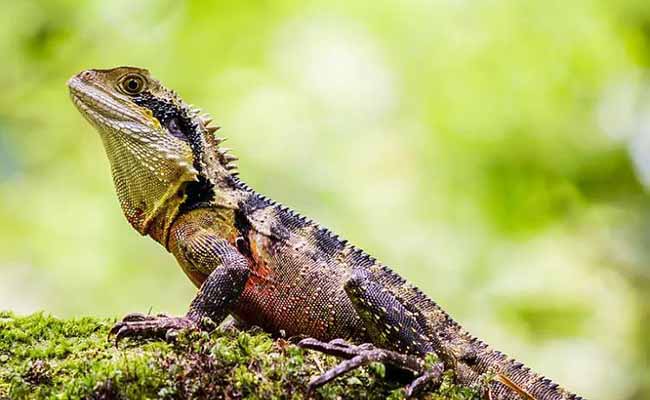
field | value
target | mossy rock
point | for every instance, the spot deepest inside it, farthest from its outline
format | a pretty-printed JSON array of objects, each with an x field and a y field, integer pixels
[{"x": 45, "y": 357}]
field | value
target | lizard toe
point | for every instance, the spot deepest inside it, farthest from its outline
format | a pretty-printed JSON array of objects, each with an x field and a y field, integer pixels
[
  {"x": 337, "y": 347},
  {"x": 136, "y": 316},
  {"x": 116, "y": 328},
  {"x": 152, "y": 327},
  {"x": 121, "y": 333}
]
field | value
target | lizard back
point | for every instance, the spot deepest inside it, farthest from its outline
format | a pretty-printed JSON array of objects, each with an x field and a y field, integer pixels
[{"x": 300, "y": 270}]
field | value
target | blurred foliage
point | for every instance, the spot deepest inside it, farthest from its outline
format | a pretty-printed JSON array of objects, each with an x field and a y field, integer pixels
[{"x": 492, "y": 152}]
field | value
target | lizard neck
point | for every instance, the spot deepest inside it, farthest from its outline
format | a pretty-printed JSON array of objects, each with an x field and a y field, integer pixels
[{"x": 224, "y": 191}]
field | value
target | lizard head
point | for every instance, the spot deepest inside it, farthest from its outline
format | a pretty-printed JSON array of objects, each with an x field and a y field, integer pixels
[{"x": 157, "y": 145}]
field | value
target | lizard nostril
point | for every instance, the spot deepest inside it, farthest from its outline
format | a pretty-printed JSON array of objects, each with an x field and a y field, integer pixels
[{"x": 86, "y": 75}]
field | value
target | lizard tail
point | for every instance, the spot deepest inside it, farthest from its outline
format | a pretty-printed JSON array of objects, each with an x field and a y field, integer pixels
[{"x": 513, "y": 380}]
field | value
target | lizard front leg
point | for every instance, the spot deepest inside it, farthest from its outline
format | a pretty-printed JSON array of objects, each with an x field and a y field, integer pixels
[
  {"x": 221, "y": 289},
  {"x": 390, "y": 326}
]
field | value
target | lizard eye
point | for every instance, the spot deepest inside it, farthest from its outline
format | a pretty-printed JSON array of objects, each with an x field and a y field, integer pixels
[{"x": 132, "y": 84}]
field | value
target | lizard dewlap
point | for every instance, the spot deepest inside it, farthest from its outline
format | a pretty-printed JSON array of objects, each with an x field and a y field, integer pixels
[{"x": 261, "y": 262}]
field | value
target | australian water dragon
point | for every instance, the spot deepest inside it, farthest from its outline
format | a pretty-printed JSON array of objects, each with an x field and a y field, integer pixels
[{"x": 263, "y": 263}]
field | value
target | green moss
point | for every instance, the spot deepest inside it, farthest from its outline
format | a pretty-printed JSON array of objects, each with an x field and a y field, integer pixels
[{"x": 45, "y": 357}]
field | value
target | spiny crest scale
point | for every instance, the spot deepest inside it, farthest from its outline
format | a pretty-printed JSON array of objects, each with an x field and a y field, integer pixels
[{"x": 226, "y": 159}]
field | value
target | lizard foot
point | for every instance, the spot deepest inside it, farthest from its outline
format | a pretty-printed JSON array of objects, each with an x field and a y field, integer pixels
[
  {"x": 364, "y": 354},
  {"x": 150, "y": 326}
]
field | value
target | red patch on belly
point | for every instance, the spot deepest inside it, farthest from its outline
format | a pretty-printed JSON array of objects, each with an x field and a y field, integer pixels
[{"x": 260, "y": 270}]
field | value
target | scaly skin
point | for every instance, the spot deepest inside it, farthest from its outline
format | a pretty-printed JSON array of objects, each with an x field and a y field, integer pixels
[{"x": 261, "y": 262}]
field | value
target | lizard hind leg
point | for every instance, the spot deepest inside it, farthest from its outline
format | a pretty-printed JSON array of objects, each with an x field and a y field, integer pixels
[
  {"x": 356, "y": 356},
  {"x": 397, "y": 337}
]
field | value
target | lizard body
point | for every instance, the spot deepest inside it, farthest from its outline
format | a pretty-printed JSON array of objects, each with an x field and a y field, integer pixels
[{"x": 260, "y": 261}]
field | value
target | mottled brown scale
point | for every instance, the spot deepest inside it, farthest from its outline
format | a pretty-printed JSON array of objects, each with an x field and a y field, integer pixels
[
  {"x": 263, "y": 263},
  {"x": 294, "y": 298}
]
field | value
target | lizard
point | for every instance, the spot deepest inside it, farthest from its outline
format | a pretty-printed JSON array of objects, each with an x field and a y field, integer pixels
[{"x": 262, "y": 262}]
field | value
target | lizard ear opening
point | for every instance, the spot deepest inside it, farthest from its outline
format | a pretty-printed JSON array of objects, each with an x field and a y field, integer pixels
[{"x": 174, "y": 128}]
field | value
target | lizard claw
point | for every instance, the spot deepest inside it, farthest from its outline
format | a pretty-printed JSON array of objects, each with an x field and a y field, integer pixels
[
  {"x": 120, "y": 333},
  {"x": 131, "y": 317},
  {"x": 116, "y": 328},
  {"x": 145, "y": 326}
]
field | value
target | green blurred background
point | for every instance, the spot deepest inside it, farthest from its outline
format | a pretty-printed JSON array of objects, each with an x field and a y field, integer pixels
[{"x": 493, "y": 152}]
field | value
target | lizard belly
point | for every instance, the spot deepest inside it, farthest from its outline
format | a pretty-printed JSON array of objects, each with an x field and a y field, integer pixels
[{"x": 289, "y": 291}]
